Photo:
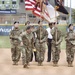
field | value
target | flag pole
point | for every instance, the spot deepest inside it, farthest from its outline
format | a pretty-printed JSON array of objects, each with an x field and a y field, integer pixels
[
  {"x": 40, "y": 25},
  {"x": 70, "y": 17},
  {"x": 40, "y": 15},
  {"x": 55, "y": 29}
]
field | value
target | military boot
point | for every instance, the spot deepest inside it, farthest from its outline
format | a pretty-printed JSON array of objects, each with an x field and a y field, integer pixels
[
  {"x": 15, "y": 63},
  {"x": 28, "y": 64},
  {"x": 40, "y": 64},
  {"x": 70, "y": 64},
  {"x": 55, "y": 64},
  {"x": 25, "y": 66}
]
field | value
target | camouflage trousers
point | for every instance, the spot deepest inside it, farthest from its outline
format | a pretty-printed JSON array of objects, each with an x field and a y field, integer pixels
[
  {"x": 55, "y": 53},
  {"x": 40, "y": 50},
  {"x": 26, "y": 55},
  {"x": 16, "y": 53},
  {"x": 70, "y": 54}
]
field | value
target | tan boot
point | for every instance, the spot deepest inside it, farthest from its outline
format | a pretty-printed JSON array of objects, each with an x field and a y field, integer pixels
[
  {"x": 55, "y": 64},
  {"x": 40, "y": 64},
  {"x": 15, "y": 63},
  {"x": 70, "y": 65},
  {"x": 25, "y": 66}
]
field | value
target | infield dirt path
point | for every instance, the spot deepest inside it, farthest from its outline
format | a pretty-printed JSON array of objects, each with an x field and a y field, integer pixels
[{"x": 6, "y": 67}]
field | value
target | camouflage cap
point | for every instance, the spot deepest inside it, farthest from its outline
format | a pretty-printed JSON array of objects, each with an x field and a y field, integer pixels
[
  {"x": 28, "y": 27},
  {"x": 70, "y": 25},
  {"x": 16, "y": 22},
  {"x": 27, "y": 23}
]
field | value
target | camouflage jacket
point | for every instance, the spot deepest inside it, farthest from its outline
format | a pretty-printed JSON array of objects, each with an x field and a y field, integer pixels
[
  {"x": 57, "y": 36},
  {"x": 70, "y": 38},
  {"x": 14, "y": 35},
  {"x": 41, "y": 34},
  {"x": 27, "y": 39}
]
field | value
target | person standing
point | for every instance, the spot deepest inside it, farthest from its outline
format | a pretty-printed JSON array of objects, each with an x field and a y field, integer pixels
[
  {"x": 40, "y": 43},
  {"x": 70, "y": 45},
  {"x": 27, "y": 39},
  {"x": 34, "y": 49},
  {"x": 56, "y": 41},
  {"x": 15, "y": 43},
  {"x": 26, "y": 25},
  {"x": 49, "y": 40}
]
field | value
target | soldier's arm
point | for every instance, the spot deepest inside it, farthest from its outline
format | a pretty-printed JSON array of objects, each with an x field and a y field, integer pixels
[
  {"x": 11, "y": 35},
  {"x": 66, "y": 37},
  {"x": 21, "y": 35},
  {"x": 32, "y": 42},
  {"x": 20, "y": 38},
  {"x": 45, "y": 37},
  {"x": 60, "y": 40},
  {"x": 52, "y": 31},
  {"x": 73, "y": 38}
]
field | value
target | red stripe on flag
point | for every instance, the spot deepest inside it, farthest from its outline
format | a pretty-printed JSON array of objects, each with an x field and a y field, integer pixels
[
  {"x": 37, "y": 12},
  {"x": 31, "y": 5},
  {"x": 33, "y": 2},
  {"x": 47, "y": 13},
  {"x": 28, "y": 5}
]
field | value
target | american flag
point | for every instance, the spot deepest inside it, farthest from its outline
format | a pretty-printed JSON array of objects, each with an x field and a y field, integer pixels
[
  {"x": 47, "y": 14},
  {"x": 29, "y": 4}
]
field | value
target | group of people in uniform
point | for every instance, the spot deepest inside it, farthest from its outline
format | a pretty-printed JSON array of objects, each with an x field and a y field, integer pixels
[{"x": 33, "y": 40}]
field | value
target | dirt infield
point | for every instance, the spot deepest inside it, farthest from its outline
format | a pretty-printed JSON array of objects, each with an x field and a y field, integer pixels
[{"x": 6, "y": 67}]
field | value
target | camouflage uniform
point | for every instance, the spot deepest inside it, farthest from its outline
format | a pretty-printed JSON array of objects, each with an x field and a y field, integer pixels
[
  {"x": 25, "y": 27},
  {"x": 57, "y": 38},
  {"x": 15, "y": 45},
  {"x": 70, "y": 46},
  {"x": 27, "y": 48},
  {"x": 40, "y": 44}
]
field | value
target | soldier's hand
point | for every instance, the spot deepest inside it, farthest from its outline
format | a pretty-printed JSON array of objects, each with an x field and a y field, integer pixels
[
  {"x": 40, "y": 41},
  {"x": 56, "y": 43},
  {"x": 21, "y": 43}
]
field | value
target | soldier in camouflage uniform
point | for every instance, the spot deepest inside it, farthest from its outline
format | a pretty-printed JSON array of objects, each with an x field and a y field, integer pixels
[
  {"x": 70, "y": 45},
  {"x": 40, "y": 43},
  {"x": 27, "y": 39},
  {"x": 15, "y": 43},
  {"x": 34, "y": 50},
  {"x": 26, "y": 25},
  {"x": 57, "y": 39}
]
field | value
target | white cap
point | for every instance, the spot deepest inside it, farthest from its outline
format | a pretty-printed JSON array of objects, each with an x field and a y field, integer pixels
[{"x": 53, "y": 20}]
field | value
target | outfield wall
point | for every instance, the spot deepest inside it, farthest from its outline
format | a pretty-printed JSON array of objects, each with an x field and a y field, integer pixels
[{"x": 5, "y": 29}]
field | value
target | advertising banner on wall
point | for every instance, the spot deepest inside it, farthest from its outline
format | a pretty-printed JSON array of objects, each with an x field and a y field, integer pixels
[
  {"x": 8, "y": 11},
  {"x": 4, "y": 30}
]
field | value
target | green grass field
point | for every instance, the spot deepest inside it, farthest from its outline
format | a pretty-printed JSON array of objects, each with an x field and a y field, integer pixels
[{"x": 5, "y": 42}]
